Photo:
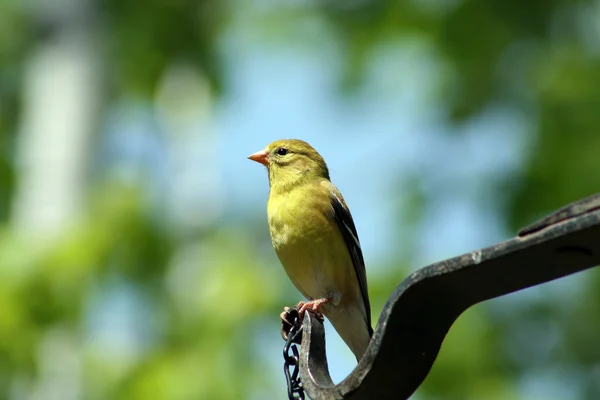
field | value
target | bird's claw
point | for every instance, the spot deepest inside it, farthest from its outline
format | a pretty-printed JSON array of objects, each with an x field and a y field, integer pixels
[
  {"x": 290, "y": 314},
  {"x": 312, "y": 306}
]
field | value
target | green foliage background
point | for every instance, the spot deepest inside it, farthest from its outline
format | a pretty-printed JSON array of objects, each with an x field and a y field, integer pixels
[{"x": 540, "y": 60}]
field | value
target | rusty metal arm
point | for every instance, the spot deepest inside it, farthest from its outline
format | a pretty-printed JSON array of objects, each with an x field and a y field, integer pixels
[{"x": 419, "y": 313}]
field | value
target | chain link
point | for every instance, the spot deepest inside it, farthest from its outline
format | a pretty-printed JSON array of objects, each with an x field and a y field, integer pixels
[{"x": 291, "y": 357}]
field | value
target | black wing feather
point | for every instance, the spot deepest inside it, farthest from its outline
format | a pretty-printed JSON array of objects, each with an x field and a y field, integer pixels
[{"x": 343, "y": 218}]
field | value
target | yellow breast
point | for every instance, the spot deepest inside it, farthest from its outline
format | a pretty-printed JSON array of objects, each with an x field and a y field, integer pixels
[{"x": 308, "y": 243}]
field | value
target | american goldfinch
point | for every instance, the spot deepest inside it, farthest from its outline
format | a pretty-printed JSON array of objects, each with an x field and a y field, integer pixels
[{"x": 315, "y": 239}]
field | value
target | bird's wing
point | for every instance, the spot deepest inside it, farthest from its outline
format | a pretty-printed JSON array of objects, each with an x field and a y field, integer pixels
[{"x": 345, "y": 223}]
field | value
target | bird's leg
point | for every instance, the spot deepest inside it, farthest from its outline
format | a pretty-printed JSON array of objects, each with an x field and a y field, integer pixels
[{"x": 313, "y": 305}]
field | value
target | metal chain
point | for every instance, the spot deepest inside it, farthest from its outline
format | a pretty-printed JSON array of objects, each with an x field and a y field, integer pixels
[{"x": 291, "y": 357}]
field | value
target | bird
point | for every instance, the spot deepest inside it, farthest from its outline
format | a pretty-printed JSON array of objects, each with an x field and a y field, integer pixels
[{"x": 315, "y": 238}]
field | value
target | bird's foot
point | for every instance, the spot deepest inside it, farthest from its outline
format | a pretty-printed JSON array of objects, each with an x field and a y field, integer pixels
[
  {"x": 312, "y": 306},
  {"x": 290, "y": 314}
]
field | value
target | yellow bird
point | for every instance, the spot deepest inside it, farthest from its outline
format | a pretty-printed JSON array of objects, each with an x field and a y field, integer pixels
[{"x": 315, "y": 239}]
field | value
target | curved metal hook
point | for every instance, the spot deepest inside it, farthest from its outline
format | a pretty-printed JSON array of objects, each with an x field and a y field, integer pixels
[{"x": 419, "y": 313}]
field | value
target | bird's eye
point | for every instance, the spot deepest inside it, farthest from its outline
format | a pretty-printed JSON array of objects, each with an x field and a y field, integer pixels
[{"x": 282, "y": 151}]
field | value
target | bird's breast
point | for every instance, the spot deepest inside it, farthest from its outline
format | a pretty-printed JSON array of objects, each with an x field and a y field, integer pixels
[
  {"x": 287, "y": 226},
  {"x": 309, "y": 246},
  {"x": 295, "y": 220}
]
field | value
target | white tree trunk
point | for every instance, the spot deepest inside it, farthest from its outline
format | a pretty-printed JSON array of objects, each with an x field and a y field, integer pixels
[{"x": 60, "y": 104}]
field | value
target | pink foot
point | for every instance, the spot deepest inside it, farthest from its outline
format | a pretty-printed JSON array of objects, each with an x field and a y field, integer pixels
[{"x": 313, "y": 306}]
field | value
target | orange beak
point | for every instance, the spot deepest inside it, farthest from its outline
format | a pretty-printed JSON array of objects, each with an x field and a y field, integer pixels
[{"x": 260, "y": 157}]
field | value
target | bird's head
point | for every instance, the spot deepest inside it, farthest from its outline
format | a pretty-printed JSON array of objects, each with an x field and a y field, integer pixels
[{"x": 290, "y": 162}]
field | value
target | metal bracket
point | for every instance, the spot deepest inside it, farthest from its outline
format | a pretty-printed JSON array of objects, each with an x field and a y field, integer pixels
[{"x": 419, "y": 313}]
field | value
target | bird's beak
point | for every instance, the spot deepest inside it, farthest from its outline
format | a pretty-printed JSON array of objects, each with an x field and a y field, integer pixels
[{"x": 260, "y": 157}]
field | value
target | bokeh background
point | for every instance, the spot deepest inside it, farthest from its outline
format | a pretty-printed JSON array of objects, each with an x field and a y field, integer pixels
[{"x": 135, "y": 259}]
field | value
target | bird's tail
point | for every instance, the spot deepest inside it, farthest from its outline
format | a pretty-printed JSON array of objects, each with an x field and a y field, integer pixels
[{"x": 349, "y": 322}]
